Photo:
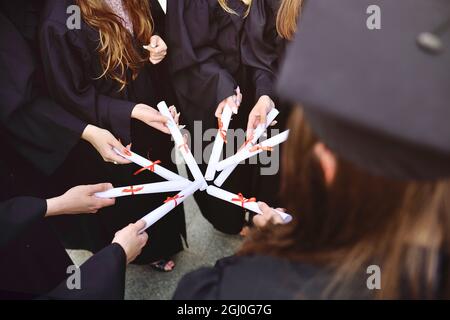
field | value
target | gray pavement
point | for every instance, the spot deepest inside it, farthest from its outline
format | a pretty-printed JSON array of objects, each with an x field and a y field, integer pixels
[{"x": 206, "y": 245}]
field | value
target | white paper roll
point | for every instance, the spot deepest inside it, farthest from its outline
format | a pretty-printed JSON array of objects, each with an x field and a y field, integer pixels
[
  {"x": 180, "y": 143},
  {"x": 218, "y": 144},
  {"x": 243, "y": 202},
  {"x": 159, "y": 187},
  {"x": 242, "y": 156},
  {"x": 170, "y": 204},
  {"x": 259, "y": 131},
  {"x": 145, "y": 163}
]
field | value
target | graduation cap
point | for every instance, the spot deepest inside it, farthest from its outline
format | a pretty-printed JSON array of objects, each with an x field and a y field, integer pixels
[{"x": 378, "y": 98}]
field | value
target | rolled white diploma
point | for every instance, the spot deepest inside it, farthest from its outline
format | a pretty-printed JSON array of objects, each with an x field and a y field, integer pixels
[
  {"x": 181, "y": 144},
  {"x": 159, "y": 187},
  {"x": 170, "y": 204},
  {"x": 252, "y": 206},
  {"x": 248, "y": 153},
  {"x": 218, "y": 143},
  {"x": 145, "y": 163},
  {"x": 259, "y": 131}
]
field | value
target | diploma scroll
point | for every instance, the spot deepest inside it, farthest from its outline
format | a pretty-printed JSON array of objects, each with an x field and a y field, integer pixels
[
  {"x": 259, "y": 131},
  {"x": 224, "y": 122},
  {"x": 170, "y": 204},
  {"x": 266, "y": 145},
  {"x": 159, "y": 187},
  {"x": 181, "y": 144},
  {"x": 249, "y": 204},
  {"x": 145, "y": 163}
]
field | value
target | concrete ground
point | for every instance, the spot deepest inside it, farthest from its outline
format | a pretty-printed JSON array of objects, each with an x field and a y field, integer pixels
[{"x": 206, "y": 245}]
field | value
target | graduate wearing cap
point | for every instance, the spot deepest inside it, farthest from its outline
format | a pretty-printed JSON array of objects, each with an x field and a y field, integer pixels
[{"x": 367, "y": 166}]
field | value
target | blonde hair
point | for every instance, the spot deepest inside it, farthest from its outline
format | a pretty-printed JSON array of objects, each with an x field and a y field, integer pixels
[
  {"x": 117, "y": 50},
  {"x": 226, "y": 7},
  {"x": 287, "y": 18}
]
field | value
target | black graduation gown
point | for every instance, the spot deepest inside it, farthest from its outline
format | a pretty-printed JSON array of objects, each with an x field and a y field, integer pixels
[
  {"x": 32, "y": 260},
  {"x": 72, "y": 68},
  {"x": 205, "y": 64},
  {"x": 34, "y": 264},
  {"x": 263, "y": 278},
  {"x": 263, "y": 51}
]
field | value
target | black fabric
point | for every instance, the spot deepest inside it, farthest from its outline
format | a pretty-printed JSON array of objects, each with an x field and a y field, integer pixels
[
  {"x": 206, "y": 67},
  {"x": 374, "y": 96},
  {"x": 265, "y": 278},
  {"x": 25, "y": 109},
  {"x": 72, "y": 67},
  {"x": 262, "y": 47},
  {"x": 263, "y": 51},
  {"x": 102, "y": 278},
  {"x": 32, "y": 260}
]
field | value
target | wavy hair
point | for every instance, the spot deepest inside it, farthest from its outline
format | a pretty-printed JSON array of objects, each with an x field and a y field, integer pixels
[
  {"x": 117, "y": 49},
  {"x": 287, "y": 18}
]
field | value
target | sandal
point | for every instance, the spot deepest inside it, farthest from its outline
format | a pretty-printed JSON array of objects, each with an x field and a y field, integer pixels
[{"x": 163, "y": 265}]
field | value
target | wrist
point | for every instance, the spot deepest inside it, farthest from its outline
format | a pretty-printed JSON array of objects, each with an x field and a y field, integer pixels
[
  {"x": 54, "y": 207},
  {"x": 88, "y": 133},
  {"x": 135, "y": 113}
]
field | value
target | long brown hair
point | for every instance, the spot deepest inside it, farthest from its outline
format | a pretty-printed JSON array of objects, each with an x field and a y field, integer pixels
[
  {"x": 287, "y": 18},
  {"x": 117, "y": 49},
  {"x": 361, "y": 219}
]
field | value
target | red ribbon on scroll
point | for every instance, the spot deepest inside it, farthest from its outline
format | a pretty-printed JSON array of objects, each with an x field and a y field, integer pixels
[
  {"x": 133, "y": 190},
  {"x": 174, "y": 199},
  {"x": 149, "y": 168},
  {"x": 243, "y": 200}
]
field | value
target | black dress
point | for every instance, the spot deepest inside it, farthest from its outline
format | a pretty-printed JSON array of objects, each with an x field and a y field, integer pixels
[
  {"x": 32, "y": 260},
  {"x": 206, "y": 68},
  {"x": 263, "y": 51},
  {"x": 72, "y": 67}
]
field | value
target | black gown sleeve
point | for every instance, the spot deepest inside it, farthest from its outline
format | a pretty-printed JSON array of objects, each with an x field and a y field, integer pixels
[
  {"x": 35, "y": 126},
  {"x": 197, "y": 75},
  {"x": 202, "y": 284},
  {"x": 65, "y": 58},
  {"x": 17, "y": 214},
  {"x": 259, "y": 46},
  {"x": 102, "y": 278}
]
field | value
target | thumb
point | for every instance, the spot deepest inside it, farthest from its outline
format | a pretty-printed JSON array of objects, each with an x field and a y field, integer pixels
[
  {"x": 160, "y": 118},
  {"x": 263, "y": 118},
  {"x": 154, "y": 41},
  {"x": 99, "y": 187},
  {"x": 117, "y": 144},
  {"x": 264, "y": 207},
  {"x": 140, "y": 225}
]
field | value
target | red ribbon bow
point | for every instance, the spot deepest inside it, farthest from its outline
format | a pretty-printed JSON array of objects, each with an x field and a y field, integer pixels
[
  {"x": 243, "y": 200},
  {"x": 260, "y": 147},
  {"x": 175, "y": 198},
  {"x": 133, "y": 190},
  {"x": 127, "y": 152},
  {"x": 222, "y": 132},
  {"x": 150, "y": 168}
]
